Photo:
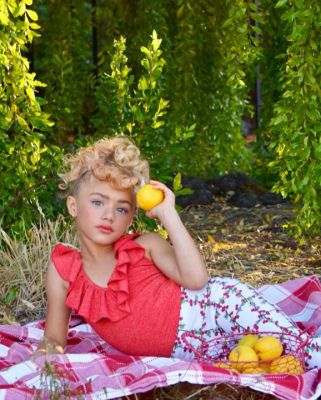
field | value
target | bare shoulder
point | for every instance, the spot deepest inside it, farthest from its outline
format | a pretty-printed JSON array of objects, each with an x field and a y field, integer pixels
[
  {"x": 54, "y": 280},
  {"x": 148, "y": 239},
  {"x": 152, "y": 240}
]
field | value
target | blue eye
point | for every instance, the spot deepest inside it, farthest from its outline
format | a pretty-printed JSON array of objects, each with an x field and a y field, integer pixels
[
  {"x": 97, "y": 203},
  {"x": 122, "y": 210}
]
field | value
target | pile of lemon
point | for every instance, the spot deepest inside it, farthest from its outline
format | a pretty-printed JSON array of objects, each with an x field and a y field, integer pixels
[{"x": 261, "y": 355}]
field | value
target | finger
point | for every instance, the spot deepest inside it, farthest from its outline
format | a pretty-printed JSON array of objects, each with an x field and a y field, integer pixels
[
  {"x": 157, "y": 184},
  {"x": 161, "y": 186},
  {"x": 150, "y": 214}
]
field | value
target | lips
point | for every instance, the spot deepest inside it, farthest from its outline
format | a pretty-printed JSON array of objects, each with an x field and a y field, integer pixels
[{"x": 105, "y": 228}]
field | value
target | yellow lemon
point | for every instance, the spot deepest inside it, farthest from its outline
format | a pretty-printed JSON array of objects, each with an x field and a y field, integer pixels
[
  {"x": 225, "y": 365},
  {"x": 265, "y": 365},
  {"x": 268, "y": 347},
  {"x": 287, "y": 365},
  {"x": 248, "y": 340},
  {"x": 254, "y": 370},
  {"x": 148, "y": 197},
  {"x": 242, "y": 357}
]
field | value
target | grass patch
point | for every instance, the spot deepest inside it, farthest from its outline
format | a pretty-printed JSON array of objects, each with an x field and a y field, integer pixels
[{"x": 23, "y": 265}]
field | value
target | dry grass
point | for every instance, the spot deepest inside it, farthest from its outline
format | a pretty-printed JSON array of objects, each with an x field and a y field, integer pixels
[{"x": 23, "y": 265}]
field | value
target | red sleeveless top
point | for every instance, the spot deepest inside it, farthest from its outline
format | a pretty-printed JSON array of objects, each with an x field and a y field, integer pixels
[{"x": 137, "y": 312}]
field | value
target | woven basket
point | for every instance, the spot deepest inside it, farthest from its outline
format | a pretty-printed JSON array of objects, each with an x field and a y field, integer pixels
[{"x": 216, "y": 350}]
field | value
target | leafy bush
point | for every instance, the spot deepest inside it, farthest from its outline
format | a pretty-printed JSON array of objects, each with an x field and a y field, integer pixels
[
  {"x": 25, "y": 159},
  {"x": 205, "y": 82},
  {"x": 296, "y": 123},
  {"x": 214, "y": 52},
  {"x": 186, "y": 113},
  {"x": 64, "y": 61},
  {"x": 135, "y": 107}
]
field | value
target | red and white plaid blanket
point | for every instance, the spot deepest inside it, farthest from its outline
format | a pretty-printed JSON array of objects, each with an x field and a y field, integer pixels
[{"x": 93, "y": 369}]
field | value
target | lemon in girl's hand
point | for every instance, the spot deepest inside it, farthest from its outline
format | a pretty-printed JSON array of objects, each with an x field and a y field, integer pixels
[{"x": 148, "y": 197}]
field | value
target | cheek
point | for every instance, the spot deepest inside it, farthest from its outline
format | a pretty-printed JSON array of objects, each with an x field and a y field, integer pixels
[
  {"x": 86, "y": 213},
  {"x": 129, "y": 218}
]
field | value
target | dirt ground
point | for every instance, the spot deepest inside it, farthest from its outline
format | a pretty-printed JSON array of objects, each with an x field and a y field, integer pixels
[{"x": 253, "y": 245}]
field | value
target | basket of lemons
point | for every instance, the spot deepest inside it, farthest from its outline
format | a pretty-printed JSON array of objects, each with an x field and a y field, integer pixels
[{"x": 251, "y": 352}]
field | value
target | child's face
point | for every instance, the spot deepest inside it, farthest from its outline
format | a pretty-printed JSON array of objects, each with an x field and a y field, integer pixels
[{"x": 102, "y": 212}]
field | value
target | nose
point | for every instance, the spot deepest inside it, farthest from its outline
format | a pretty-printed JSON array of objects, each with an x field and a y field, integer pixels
[{"x": 108, "y": 214}]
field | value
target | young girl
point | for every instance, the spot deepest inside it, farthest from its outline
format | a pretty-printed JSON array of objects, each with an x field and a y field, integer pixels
[{"x": 140, "y": 293}]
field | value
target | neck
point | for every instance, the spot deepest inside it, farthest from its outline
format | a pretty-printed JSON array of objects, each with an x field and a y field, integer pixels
[{"x": 95, "y": 253}]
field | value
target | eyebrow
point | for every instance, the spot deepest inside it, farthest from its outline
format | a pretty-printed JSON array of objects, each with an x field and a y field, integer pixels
[{"x": 104, "y": 196}]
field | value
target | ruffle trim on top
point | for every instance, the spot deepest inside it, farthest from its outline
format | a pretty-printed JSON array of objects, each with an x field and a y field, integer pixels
[{"x": 89, "y": 300}]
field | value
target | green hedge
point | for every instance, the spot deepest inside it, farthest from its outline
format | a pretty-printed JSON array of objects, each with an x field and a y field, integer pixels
[{"x": 181, "y": 92}]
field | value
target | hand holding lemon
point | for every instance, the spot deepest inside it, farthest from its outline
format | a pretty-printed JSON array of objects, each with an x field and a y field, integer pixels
[
  {"x": 158, "y": 201},
  {"x": 149, "y": 197}
]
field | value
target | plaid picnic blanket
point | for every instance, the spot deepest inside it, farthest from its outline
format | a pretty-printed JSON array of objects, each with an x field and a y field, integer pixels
[{"x": 93, "y": 369}]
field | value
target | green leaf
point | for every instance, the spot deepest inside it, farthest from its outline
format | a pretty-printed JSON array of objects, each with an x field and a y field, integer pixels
[
  {"x": 4, "y": 18},
  {"x": 21, "y": 9},
  {"x": 145, "y": 63},
  {"x": 177, "y": 182},
  {"x": 34, "y": 158},
  {"x": 30, "y": 94},
  {"x": 22, "y": 122},
  {"x": 158, "y": 124},
  {"x": 32, "y": 14},
  {"x": 279, "y": 119},
  {"x": 184, "y": 192},
  {"x": 147, "y": 52},
  {"x": 33, "y": 25},
  {"x": 11, "y": 295},
  {"x": 188, "y": 135},
  {"x": 281, "y": 3},
  {"x": 143, "y": 84}
]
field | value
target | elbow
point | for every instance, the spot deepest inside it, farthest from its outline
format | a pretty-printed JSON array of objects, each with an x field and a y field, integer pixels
[{"x": 198, "y": 284}]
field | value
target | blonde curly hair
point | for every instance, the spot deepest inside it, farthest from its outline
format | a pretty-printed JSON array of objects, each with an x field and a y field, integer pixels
[{"x": 114, "y": 160}]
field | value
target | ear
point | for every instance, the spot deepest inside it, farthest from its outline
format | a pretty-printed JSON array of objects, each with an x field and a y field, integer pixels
[{"x": 72, "y": 206}]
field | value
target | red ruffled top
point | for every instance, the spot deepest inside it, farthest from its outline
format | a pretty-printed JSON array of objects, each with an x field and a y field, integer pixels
[{"x": 131, "y": 312}]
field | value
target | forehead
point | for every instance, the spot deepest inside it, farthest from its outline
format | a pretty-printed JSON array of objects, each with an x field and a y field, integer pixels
[{"x": 92, "y": 185}]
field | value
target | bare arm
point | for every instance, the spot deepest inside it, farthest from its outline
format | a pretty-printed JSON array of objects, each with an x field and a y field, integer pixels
[
  {"x": 58, "y": 314},
  {"x": 182, "y": 261}
]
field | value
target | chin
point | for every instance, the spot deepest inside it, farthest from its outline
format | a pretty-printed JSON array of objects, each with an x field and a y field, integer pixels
[{"x": 107, "y": 240}]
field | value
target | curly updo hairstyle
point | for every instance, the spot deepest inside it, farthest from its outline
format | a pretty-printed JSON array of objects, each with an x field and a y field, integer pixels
[{"x": 114, "y": 160}]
